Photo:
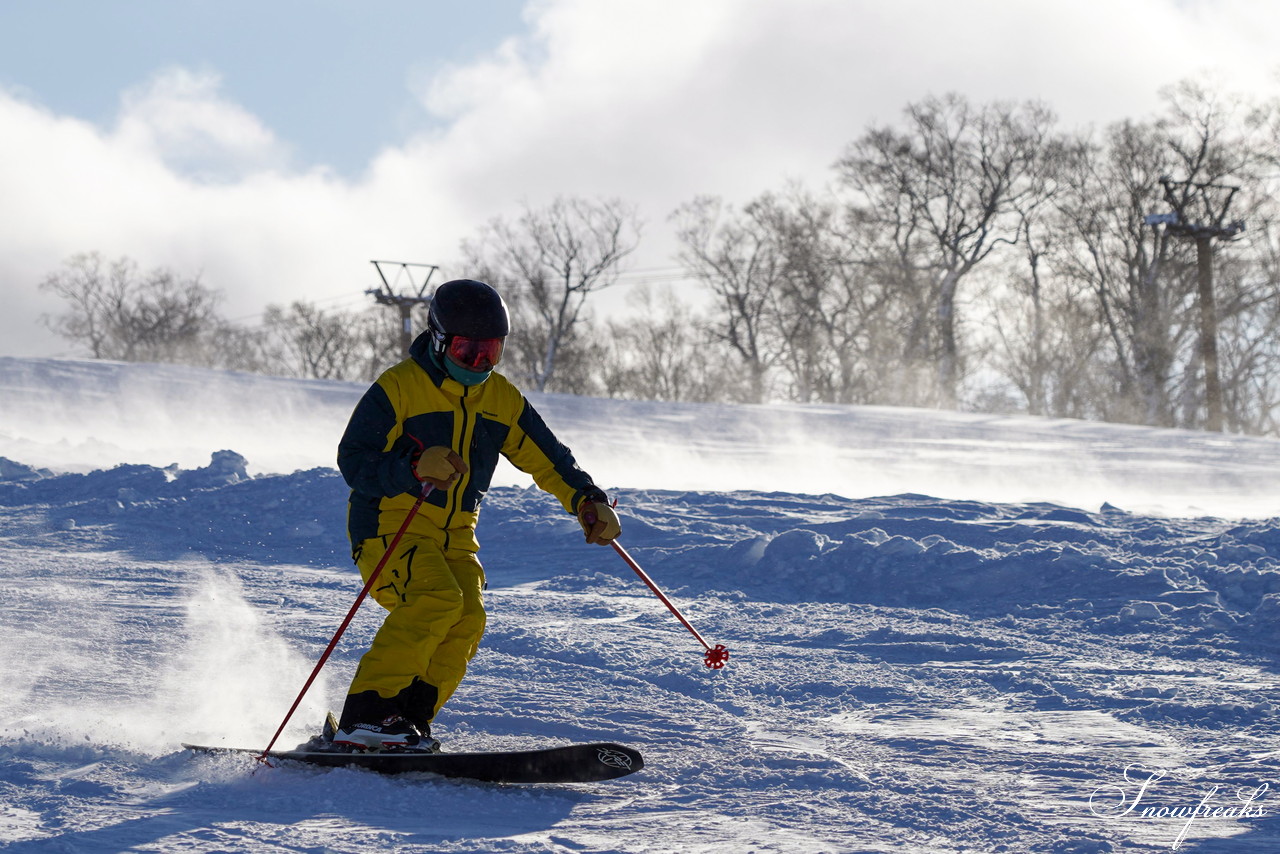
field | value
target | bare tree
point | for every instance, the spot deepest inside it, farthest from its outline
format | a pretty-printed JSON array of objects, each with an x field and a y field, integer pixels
[
  {"x": 1250, "y": 346},
  {"x": 548, "y": 262},
  {"x": 1248, "y": 304},
  {"x": 797, "y": 298},
  {"x": 306, "y": 341},
  {"x": 809, "y": 321},
  {"x": 232, "y": 347},
  {"x": 1050, "y": 340},
  {"x": 735, "y": 254},
  {"x": 841, "y": 317},
  {"x": 378, "y": 343},
  {"x": 663, "y": 351},
  {"x": 1138, "y": 276},
  {"x": 1143, "y": 278},
  {"x": 119, "y": 313},
  {"x": 945, "y": 192}
]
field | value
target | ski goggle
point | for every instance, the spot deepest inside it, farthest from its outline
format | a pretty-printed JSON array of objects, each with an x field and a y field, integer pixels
[{"x": 477, "y": 354}]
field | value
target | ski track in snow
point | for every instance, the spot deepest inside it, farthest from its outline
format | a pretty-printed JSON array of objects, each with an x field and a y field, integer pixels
[{"x": 909, "y": 673}]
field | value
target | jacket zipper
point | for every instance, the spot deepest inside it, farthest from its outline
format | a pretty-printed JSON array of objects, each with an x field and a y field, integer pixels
[{"x": 455, "y": 500}]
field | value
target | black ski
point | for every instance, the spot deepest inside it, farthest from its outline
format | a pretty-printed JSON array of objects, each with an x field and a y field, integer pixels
[{"x": 574, "y": 763}]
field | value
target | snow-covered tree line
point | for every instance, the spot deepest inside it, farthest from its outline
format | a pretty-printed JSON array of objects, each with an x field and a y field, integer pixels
[{"x": 973, "y": 256}]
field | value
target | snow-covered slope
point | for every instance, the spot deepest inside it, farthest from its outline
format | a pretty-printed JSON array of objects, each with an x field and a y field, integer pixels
[
  {"x": 942, "y": 640},
  {"x": 82, "y": 415}
]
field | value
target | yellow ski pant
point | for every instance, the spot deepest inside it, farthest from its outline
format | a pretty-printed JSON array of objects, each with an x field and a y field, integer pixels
[{"x": 435, "y": 619}]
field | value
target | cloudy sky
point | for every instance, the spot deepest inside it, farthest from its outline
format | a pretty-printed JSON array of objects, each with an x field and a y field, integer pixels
[{"x": 276, "y": 146}]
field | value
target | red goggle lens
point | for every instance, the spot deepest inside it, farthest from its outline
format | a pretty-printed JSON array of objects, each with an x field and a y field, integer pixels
[{"x": 477, "y": 354}]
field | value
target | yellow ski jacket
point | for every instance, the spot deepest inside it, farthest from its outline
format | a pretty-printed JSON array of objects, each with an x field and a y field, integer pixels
[{"x": 415, "y": 405}]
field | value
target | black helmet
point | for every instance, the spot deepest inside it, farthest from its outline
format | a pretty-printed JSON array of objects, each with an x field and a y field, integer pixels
[
  {"x": 469, "y": 308},
  {"x": 465, "y": 308}
]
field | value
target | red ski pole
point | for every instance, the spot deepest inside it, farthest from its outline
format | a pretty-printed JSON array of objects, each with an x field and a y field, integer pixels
[
  {"x": 368, "y": 585},
  {"x": 716, "y": 656}
]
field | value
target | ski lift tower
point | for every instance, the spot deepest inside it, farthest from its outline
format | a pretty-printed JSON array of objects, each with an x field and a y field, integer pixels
[
  {"x": 405, "y": 302},
  {"x": 1200, "y": 214}
]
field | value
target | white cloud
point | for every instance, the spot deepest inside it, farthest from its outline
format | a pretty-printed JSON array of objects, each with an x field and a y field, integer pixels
[
  {"x": 652, "y": 100},
  {"x": 180, "y": 118},
  {"x": 662, "y": 100}
]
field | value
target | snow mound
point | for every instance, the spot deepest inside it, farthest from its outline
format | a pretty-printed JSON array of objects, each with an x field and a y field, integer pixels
[{"x": 1121, "y": 572}]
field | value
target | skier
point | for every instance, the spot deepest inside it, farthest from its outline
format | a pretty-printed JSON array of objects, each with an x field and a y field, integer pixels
[{"x": 439, "y": 418}]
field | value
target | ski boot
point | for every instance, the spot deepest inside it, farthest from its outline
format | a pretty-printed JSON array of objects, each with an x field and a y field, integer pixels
[{"x": 393, "y": 734}]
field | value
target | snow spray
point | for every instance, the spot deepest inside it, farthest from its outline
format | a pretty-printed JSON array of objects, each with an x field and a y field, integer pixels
[
  {"x": 230, "y": 670},
  {"x": 368, "y": 585}
]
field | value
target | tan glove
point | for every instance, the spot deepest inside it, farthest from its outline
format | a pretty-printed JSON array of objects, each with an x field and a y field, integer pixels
[
  {"x": 439, "y": 466},
  {"x": 599, "y": 522}
]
